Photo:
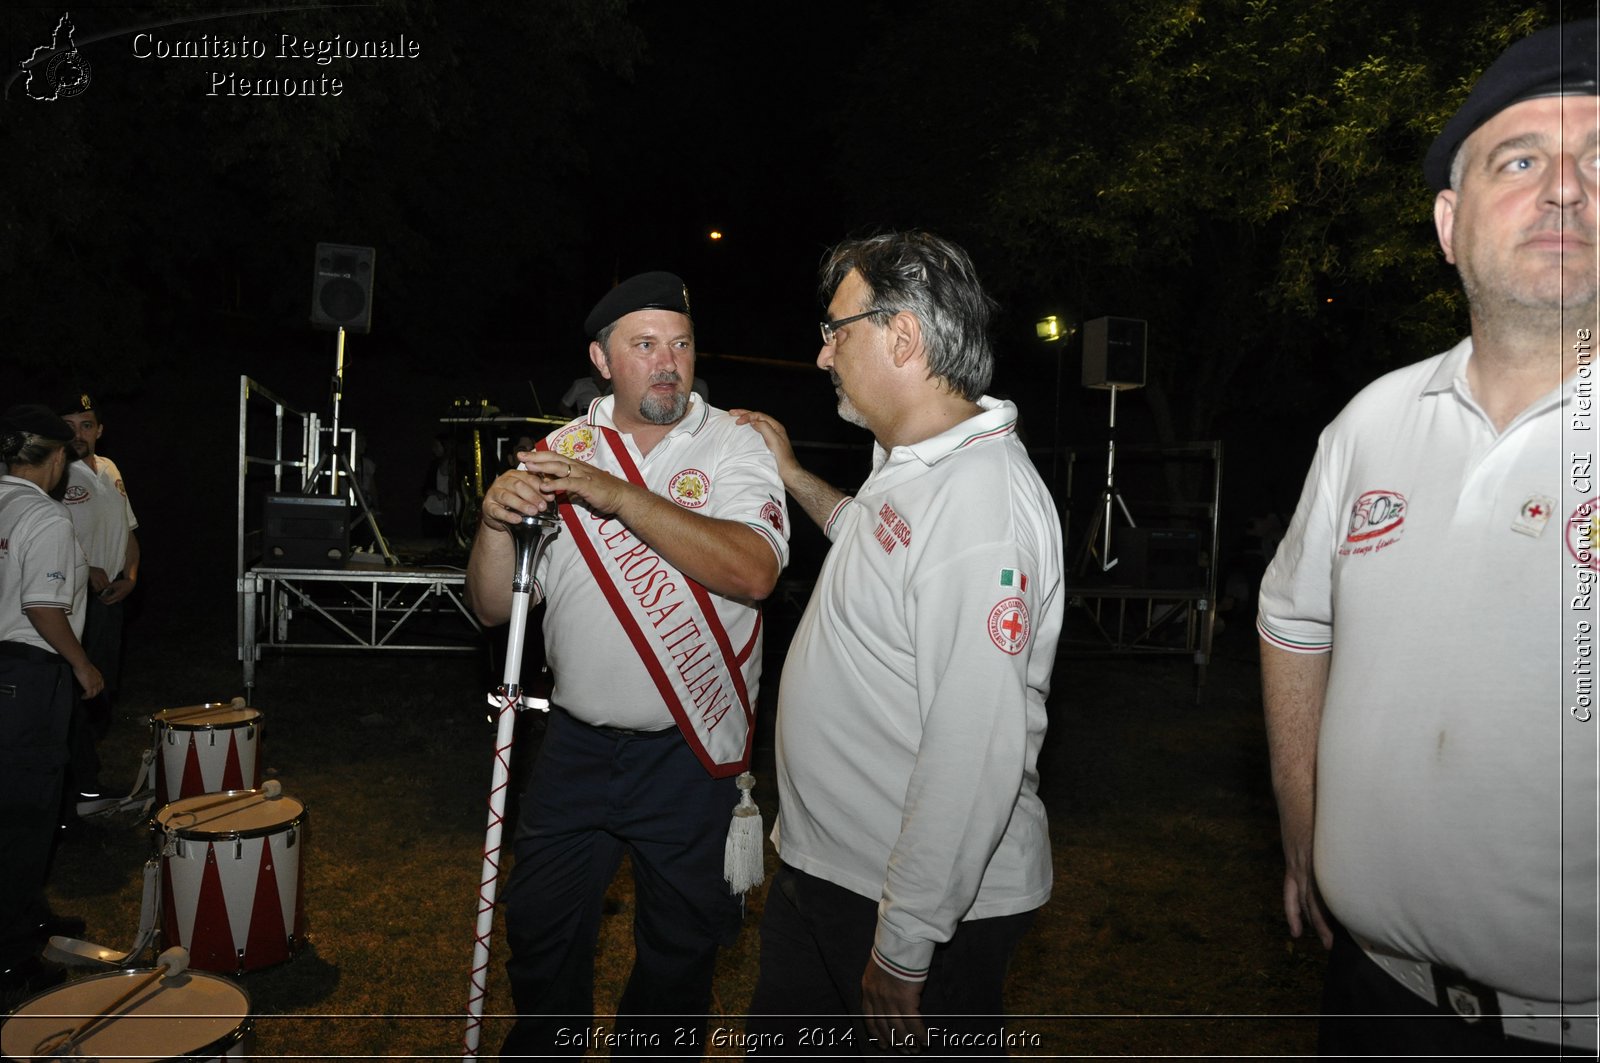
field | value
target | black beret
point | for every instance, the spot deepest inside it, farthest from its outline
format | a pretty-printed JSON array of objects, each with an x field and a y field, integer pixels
[
  {"x": 79, "y": 403},
  {"x": 1557, "y": 61},
  {"x": 36, "y": 420},
  {"x": 646, "y": 291}
]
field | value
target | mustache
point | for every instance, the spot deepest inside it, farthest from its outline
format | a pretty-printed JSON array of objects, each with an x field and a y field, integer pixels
[
  {"x": 834, "y": 377},
  {"x": 669, "y": 376}
]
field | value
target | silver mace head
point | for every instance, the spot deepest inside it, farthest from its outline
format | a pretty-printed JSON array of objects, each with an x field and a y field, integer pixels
[{"x": 529, "y": 537}]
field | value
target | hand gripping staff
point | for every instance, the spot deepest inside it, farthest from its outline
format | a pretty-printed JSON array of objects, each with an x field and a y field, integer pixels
[{"x": 530, "y": 537}]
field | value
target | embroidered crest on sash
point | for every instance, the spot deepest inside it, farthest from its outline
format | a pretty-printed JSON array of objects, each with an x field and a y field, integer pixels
[{"x": 574, "y": 441}]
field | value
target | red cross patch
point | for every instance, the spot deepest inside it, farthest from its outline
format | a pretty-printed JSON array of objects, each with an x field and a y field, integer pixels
[{"x": 1008, "y": 625}]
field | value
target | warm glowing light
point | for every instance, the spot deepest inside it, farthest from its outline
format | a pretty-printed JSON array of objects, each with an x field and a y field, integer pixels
[
  {"x": 715, "y": 234},
  {"x": 1049, "y": 328}
]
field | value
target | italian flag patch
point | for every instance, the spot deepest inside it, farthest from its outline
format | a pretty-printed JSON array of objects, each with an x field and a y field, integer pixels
[{"x": 1010, "y": 577}]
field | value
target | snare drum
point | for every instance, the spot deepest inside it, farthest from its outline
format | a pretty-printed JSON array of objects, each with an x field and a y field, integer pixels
[
  {"x": 192, "y": 1015},
  {"x": 202, "y": 749},
  {"x": 230, "y": 878}
]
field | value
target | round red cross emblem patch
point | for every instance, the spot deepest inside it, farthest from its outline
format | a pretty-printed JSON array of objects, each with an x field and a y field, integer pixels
[{"x": 1008, "y": 625}]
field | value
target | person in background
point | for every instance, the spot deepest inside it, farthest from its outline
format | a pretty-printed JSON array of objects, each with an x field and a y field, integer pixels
[
  {"x": 44, "y": 671},
  {"x": 102, "y": 518}
]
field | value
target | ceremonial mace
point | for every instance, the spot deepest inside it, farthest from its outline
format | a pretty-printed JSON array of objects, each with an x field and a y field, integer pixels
[{"x": 530, "y": 537}]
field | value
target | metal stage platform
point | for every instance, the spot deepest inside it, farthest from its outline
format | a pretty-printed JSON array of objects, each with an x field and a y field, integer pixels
[
  {"x": 1157, "y": 592},
  {"x": 319, "y": 595},
  {"x": 355, "y": 607}
]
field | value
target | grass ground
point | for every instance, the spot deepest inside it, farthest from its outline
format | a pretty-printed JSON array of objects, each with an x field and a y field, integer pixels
[{"x": 1163, "y": 938}]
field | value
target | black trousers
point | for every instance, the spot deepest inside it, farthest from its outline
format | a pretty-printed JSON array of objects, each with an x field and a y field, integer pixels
[
  {"x": 91, "y": 719},
  {"x": 1366, "y": 1012},
  {"x": 37, "y": 693},
  {"x": 816, "y": 941},
  {"x": 592, "y": 797}
]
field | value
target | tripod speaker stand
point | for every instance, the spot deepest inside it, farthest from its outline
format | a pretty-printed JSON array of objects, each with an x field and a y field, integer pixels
[
  {"x": 1113, "y": 360},
  {"x": 333, "y": 463},
  {"x": 1111, "y": 500}
]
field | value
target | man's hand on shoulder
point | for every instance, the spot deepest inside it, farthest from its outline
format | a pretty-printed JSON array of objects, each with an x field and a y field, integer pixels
[{"x": 776, "y": 438}]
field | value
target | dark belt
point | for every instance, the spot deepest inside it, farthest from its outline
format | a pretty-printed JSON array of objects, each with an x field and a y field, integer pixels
[
  {"x": 24, "y": 651},
  {"x": 615, "y": 732}
]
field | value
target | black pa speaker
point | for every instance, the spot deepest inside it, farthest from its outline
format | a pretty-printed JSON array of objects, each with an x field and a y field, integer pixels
[
  {"x": 1113, "y": 352},
  {"x": 306, "y": 531},
  {"x": 341, "y": 287}
]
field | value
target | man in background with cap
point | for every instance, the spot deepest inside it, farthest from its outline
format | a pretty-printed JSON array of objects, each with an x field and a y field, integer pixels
[
  {"x": 1428, "y": 623},
  {"x": 104, "y": 522},
  {"x": 673, "y": 528},
  {"x": 43, "y": 585}
]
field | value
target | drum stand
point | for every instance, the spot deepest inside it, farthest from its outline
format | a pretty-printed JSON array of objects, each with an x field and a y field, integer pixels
[{"x": 530, "y": 538}]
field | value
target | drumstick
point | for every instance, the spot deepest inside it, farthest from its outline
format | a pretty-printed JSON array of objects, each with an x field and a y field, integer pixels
[
  {"x": 199, "y": 710},
  {"x": 272, "y": 789},
  {"x": 169, "y": 964}
]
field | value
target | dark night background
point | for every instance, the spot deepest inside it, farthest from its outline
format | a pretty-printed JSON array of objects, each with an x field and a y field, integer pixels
[{"x": 1243, "y": 175}]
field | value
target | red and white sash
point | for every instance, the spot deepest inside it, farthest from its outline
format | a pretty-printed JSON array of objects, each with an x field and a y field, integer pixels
[{"x": 670, "y": 619}]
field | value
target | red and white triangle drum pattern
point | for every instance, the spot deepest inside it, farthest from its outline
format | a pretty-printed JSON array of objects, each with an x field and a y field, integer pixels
[
  {"x": 203, "y": 749},
  {"x": 230, "y": 882}
]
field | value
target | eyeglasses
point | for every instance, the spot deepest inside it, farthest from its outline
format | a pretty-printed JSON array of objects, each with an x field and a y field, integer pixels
[{"x": 831, "y": 328}]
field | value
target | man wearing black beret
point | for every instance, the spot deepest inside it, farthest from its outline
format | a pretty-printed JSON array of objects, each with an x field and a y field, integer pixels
[
  {"x": 673, "y": 528},
  {"x": 1428, "y": 626}
]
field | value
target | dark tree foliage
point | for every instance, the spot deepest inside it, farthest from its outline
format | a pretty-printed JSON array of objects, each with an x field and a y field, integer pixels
[{"x": 1244, "y": 174}]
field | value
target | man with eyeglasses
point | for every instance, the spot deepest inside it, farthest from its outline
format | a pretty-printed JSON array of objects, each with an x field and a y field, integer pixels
[
  {"x": 914, "y": 846},
  {"x": 1427, "y": 626}
]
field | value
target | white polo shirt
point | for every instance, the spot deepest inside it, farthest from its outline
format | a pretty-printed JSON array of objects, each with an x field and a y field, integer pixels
[
  {"x": 912, "y": 705},
  {"x": 709, "y": 464},
  {"x": 101, "y": 515},
  {"x": 1447, "y": 568},
  {"x": 41, "y": 563}
]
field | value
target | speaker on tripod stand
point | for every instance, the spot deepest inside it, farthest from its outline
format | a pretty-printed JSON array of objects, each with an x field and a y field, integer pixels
[
  {"x": 341, "y": 298},
  {"x": 1113, "y": 360},
  {"x": 341, "y": 287}
]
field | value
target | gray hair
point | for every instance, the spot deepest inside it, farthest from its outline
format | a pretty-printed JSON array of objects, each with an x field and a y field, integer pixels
[
  {"x": 1458, "y": 168},
  {"x": 933, "y": 279}
]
